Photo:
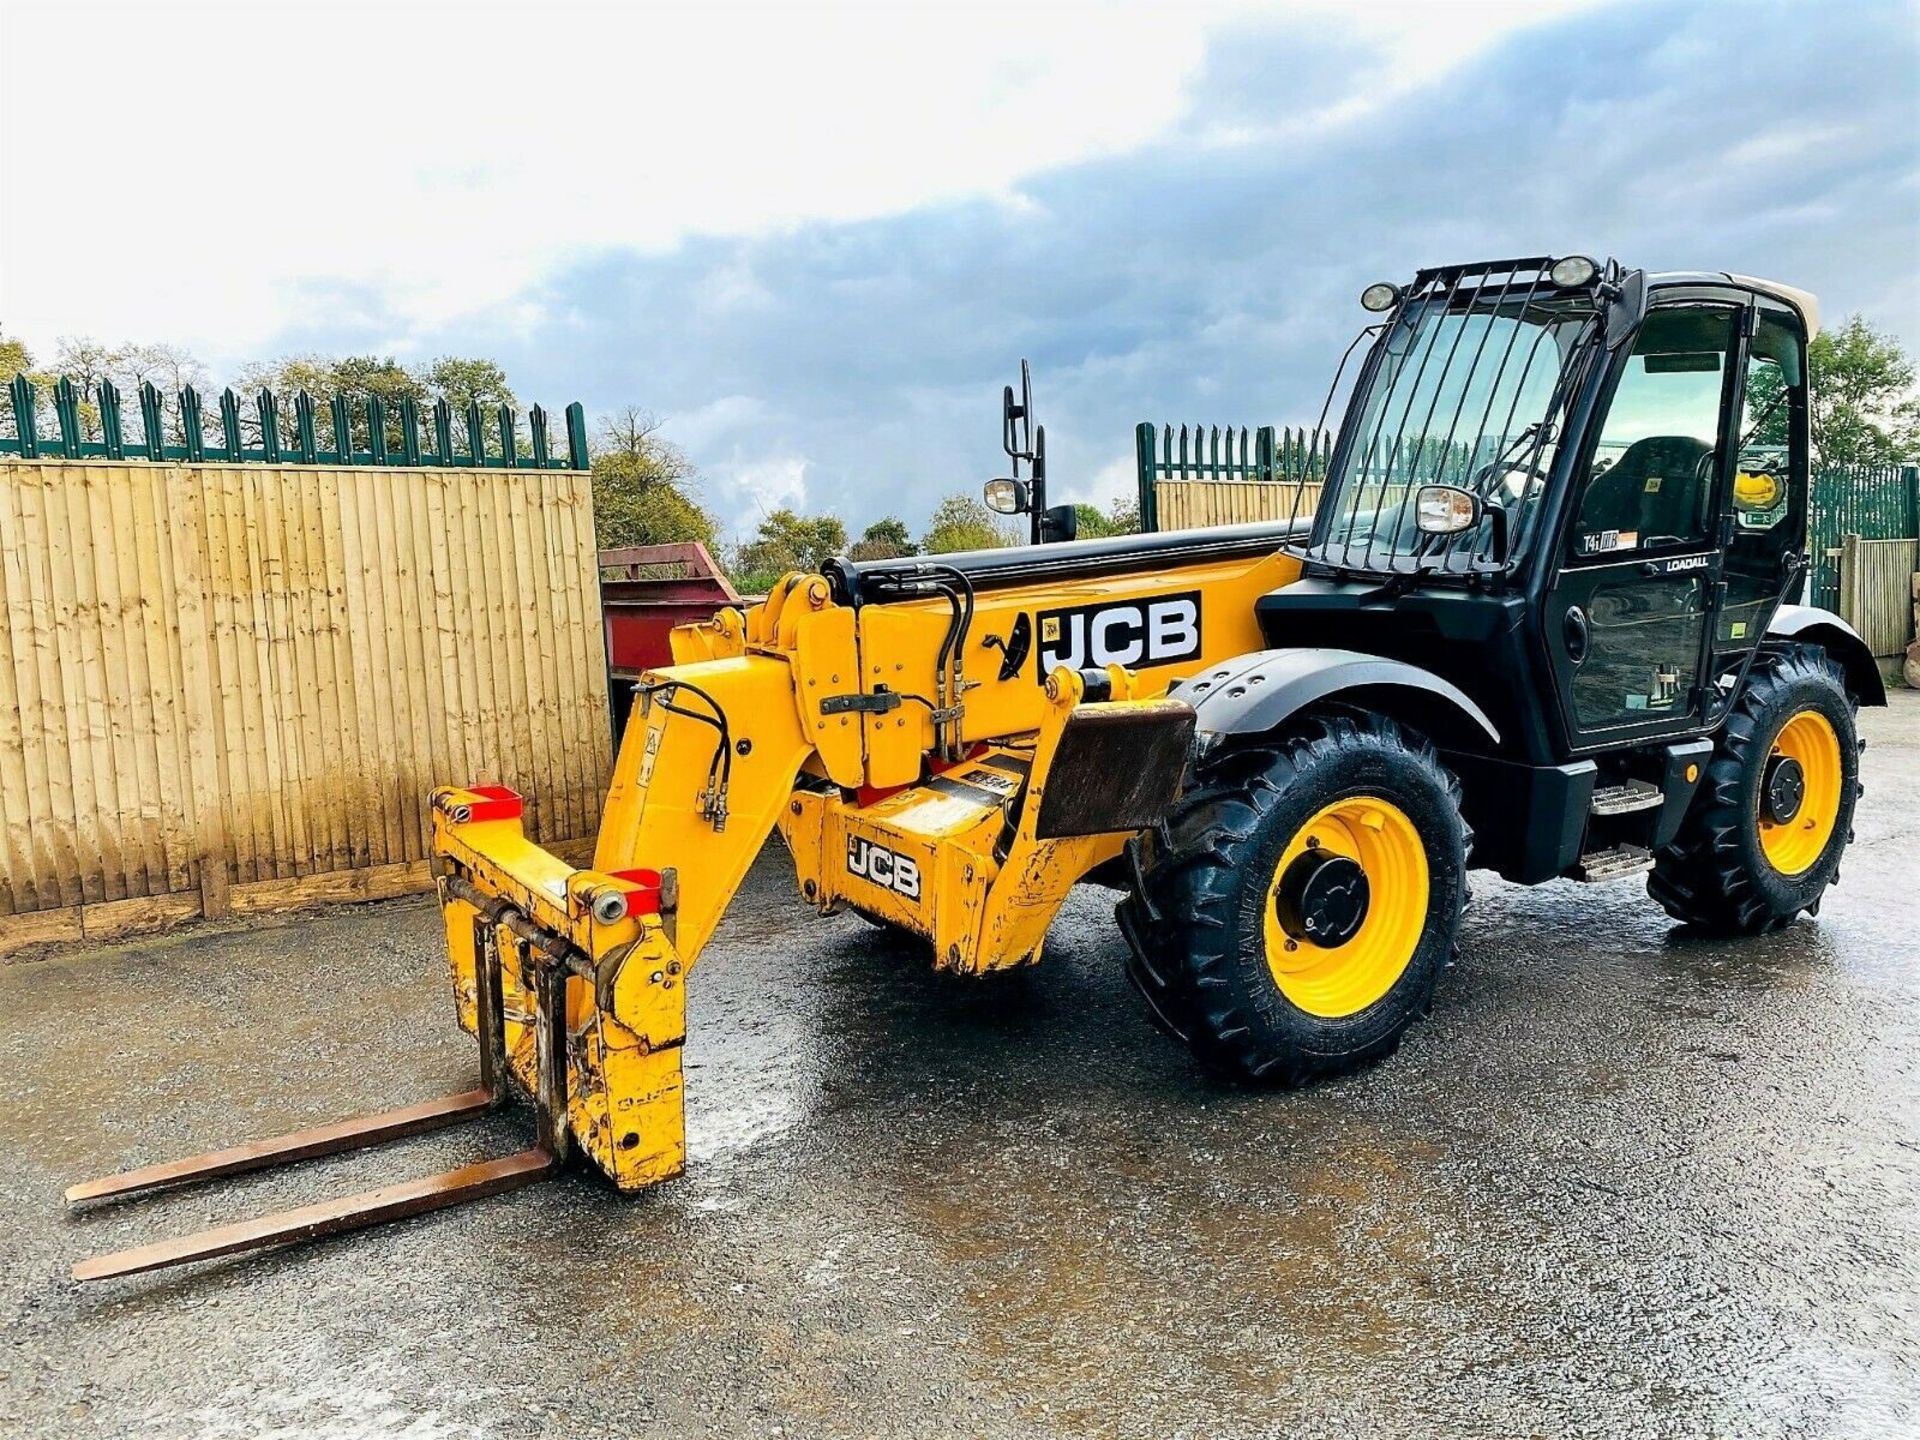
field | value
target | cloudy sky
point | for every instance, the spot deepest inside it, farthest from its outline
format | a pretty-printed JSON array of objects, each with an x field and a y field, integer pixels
[{"x": 817, "y": 240}]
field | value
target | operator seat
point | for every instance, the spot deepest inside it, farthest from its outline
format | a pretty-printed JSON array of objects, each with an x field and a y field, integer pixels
[{"x": 1652, "y": 489}]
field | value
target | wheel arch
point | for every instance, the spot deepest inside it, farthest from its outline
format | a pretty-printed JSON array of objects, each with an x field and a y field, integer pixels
[
  {"x": 1255, "y": 693},
  {"x": 1810, "y": 625}
]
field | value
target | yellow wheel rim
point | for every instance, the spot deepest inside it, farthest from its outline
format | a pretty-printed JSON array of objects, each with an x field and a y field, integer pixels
[
  {"x": 1792, "y": 846},
  {"x": 1336, "y": 980}
]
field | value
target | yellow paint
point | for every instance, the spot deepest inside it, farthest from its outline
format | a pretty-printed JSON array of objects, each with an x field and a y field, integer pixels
[
  {"x": 934, "y": 857},
  {"x": 1332, "y": 981},
  {"x": 1809, "y": 738}
]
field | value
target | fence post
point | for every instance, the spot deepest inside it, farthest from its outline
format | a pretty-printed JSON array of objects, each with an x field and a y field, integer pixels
[
  {"x": 230, "y": 425},
  {"x": 110, "y": 433},
  {"x": 153, "y": 421},
  {"x": 443, "y": 430},
  {"x": 1143, "y": 452},
  {"x": 476, "y": 435},
  {"x": 191, "y": 433},
  {"x": 198, "y": 687},
  {"x": 66, "y": 405},
  {"x": 306, "y": 442},
  {"x": 21, "y": 393},
  {"x": 537, "y": 426},
  {"x": 577, "y": 437}
]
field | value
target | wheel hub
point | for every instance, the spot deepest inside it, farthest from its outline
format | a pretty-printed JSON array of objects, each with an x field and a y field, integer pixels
[
  {"x": 1322, "y": 899},
  {"x": 1782, "y": 789}
]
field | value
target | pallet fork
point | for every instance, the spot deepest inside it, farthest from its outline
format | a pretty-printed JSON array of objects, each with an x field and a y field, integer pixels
[{"x": 389, "y": 1202}]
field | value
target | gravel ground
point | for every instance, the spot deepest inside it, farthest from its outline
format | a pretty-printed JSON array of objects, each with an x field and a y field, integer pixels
[{"x": 1621, "y": 1182}]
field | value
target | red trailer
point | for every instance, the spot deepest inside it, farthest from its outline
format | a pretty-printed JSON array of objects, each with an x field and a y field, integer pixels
[{"x": 646, "y": 590}]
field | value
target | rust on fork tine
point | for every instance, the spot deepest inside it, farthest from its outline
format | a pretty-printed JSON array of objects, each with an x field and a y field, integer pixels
[
  {"x": 328, "y": 1217},
  {"x": 330, "y": 1139}
]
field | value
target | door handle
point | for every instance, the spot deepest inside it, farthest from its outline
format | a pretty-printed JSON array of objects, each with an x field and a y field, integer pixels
[{"x": 1576, "y": 632}]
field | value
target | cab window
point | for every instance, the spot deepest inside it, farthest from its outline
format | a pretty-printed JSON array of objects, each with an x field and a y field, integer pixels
[
  {"x": 1649, "y": 482},
  {"x": 1762, "y": 476}
]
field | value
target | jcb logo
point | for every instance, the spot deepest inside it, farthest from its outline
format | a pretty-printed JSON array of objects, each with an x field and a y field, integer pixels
[
  {"x": 883, "y": 867},
  {"x": 1160, "y": 631}
]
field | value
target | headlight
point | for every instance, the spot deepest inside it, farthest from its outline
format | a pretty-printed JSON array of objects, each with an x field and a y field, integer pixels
[
  {"x": 1573, "y": 271},
  {"x": 1380, "y": 297}
]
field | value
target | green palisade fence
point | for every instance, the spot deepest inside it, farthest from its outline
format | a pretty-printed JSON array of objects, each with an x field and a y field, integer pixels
[
  {"x": 1200, "y": 452},
  {"x": 343, "y": 430},
  {"x": 1875, "y": 502}
]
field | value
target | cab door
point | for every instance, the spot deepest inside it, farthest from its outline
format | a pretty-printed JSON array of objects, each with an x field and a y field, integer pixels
[
  {"x": 1629, "y": 615},
  {"x": 1764, "y": 512}
]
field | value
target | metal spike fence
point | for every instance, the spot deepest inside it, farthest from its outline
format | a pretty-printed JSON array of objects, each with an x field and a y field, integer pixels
[
  {"x": 337, "y": 430},
  {"x": 1188, "y": 468}
]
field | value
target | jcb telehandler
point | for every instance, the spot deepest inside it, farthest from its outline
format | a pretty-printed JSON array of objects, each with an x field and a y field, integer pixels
[{"x": 1534, "y": 620}]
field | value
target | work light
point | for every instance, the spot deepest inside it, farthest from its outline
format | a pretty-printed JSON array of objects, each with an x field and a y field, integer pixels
[
  {"x": 1380, "y": 297},
  {"x": 1571, "y": 271}
]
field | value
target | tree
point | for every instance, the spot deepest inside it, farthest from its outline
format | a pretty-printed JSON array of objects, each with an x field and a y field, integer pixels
[
  {"x": 1862, "y": 408},
  {"x": 626, "y": 514},
  {"x": 323, "y": 377},
  {"x": 169, "y": 368},
  {"x": 790, "y": 541},
  {"x": 885, "y": 539},
  {"x": 15, "y": 359},
  {"x": 461, "y": 382},
  {"x": 961, "y": 522},
  {"x": 641, "y": 485}
]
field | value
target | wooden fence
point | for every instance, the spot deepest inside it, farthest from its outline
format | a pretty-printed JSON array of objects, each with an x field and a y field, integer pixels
[
  {"x": 231, "y": 687},
  {"x": 1192, "y": 504},
  {"x": 1197, "y": 471},
  {"x": 1876, "y": 591}
]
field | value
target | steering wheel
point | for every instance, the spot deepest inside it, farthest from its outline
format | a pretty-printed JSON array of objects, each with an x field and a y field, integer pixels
[{"x": 1516, "y": 478}]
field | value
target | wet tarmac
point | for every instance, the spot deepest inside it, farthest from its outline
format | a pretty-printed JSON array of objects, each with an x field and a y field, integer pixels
[{"x": 1621, "y": 1183}]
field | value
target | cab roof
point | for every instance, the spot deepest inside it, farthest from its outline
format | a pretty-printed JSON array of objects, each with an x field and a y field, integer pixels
[{"x": 1801, "y": 300}]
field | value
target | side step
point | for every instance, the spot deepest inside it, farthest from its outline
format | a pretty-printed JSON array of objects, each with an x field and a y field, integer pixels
[
  {"x": 1626, "y": 798},
  {"x": 1614, "y": 864}
]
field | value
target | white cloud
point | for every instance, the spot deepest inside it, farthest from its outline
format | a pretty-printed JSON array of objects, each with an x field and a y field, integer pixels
[
  {"x": 752, "y": 489},
  {"x": 708, "y": 425},
  {"x": 440, "y": 158},
  {"x": 1785, "y": 142}
]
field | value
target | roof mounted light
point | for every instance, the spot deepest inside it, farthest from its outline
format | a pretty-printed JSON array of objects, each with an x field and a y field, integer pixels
[
  {"x": 1380, "y": 297},
  {"x": 1572, "y": 271}
]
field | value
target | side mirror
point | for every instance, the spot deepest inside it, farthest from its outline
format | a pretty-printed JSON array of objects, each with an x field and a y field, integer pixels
[
  {"x": 1445, "y": 509},
  {"x": 1627, "y": 308},
  {"x": 1449, "y": 510},
  {"x": 1058, "y": 522},
  {"x": 1006, "y": 497}
]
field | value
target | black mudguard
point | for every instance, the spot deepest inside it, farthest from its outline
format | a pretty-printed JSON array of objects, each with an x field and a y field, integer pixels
[{"x": 1254, "y": 693}]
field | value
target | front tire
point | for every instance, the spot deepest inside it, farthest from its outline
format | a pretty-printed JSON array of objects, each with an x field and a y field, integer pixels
[
  {"x": 1764, "y": 837},
  {"x": 1301, "y": 899}
]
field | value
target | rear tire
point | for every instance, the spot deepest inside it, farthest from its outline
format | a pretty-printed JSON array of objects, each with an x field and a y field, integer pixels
[
  {"x": 1734, "y": 869},
  {"x": 1222, "y": 924}
]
